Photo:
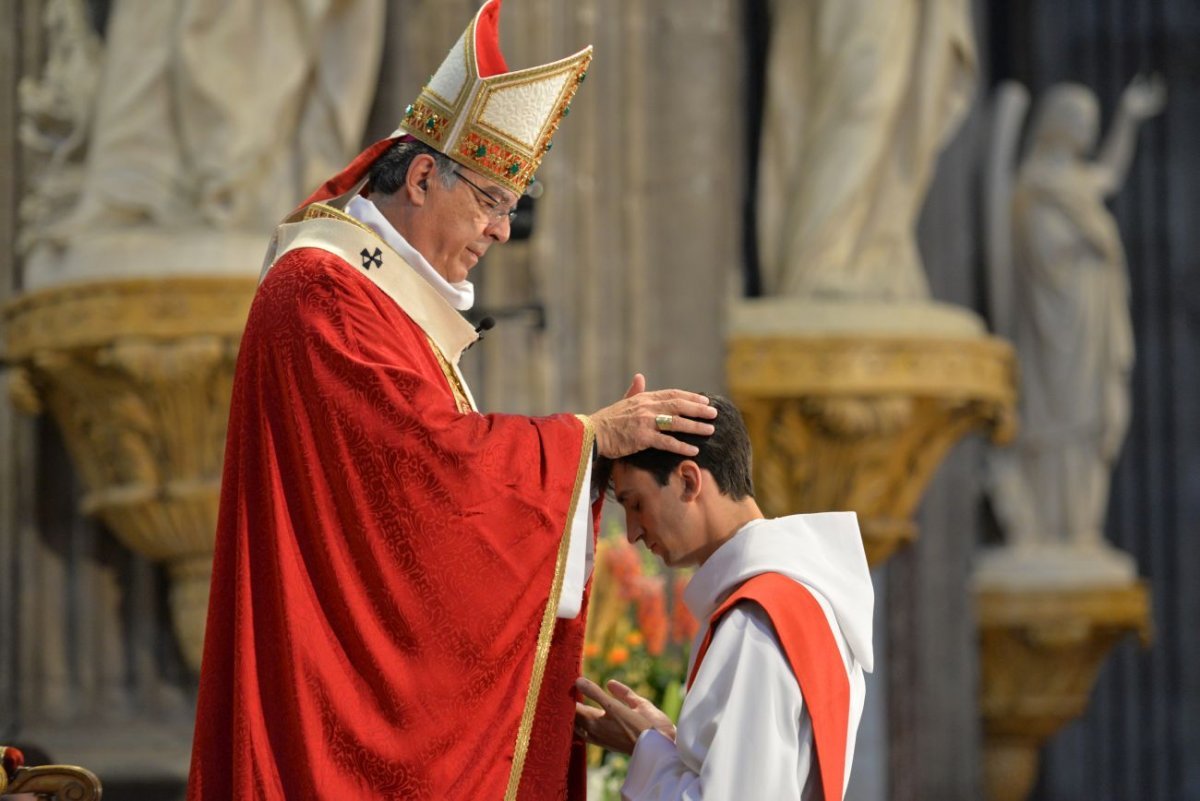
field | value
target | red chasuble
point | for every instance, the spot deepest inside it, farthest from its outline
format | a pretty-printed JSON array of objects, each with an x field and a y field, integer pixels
[
  {"x": 388, "y": 561},
  {"x": 803, "y": 631}
]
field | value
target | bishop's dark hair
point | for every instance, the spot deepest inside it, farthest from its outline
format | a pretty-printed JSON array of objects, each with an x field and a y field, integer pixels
[{"x": 388, "y": 172}]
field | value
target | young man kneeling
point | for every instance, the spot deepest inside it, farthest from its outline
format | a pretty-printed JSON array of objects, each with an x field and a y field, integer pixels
[{"x": 775, "y": 684}]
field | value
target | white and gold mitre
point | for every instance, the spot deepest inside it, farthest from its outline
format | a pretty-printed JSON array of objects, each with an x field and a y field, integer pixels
[{"x": 496, "y": 122}]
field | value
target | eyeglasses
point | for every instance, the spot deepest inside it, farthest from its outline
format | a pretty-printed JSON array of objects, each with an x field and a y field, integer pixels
[{"x": 495, "y": 209}]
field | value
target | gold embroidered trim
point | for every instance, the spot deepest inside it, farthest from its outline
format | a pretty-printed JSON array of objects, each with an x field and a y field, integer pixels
[
  {"x": 432, "y": 123},
  {"x": 482, "y": 147},
  {"x": 576, "y": 66},
  {"x": 548, "y": 618},
  {"x": 456, "y": 387},
  {"x": 517, "y": 168},
  {"x": 430, "y": 117},
  {"x": 322, "y": 211}
]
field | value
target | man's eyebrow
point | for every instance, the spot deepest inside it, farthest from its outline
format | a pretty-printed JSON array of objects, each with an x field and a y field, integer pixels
[{"x": 501, "y": 194}]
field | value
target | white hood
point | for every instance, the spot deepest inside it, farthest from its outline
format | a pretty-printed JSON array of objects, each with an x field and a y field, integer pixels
[{"x": 822, "y": 551}]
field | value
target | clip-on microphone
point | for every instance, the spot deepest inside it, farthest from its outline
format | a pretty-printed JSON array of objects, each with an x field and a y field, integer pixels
[{"x": 486, "y": 324}]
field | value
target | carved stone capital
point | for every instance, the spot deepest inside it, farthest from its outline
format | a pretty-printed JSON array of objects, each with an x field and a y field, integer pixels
[
  {"x": 861, "y": 422},
  {"x": 138, "y": 375},
  {"x": 65, "y": 782},
  {"x": 1040, "y": 652}
]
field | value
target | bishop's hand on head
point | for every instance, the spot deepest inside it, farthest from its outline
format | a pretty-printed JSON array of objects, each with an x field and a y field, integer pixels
[{"x": 636, "y": 422}]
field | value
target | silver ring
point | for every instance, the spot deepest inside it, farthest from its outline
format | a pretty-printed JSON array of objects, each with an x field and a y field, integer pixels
[{"x": 664, "y": 422}]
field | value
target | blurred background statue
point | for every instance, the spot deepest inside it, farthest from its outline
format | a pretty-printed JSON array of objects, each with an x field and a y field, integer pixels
[
  {"x": 208, "y": 117},
  {"x": 860, "y": 99},
  {"x": 56, "y": 114},
  {"x": 165, "y": 150},
  {"x": 1060, "y": 292}
]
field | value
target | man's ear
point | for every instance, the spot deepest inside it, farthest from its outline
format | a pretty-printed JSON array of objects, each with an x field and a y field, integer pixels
[
  {"x": 692, "y": 479},
  {"x": 420, "y": 172}
]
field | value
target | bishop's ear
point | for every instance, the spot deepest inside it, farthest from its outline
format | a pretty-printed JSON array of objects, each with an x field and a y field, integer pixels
[{"x": 416, "y": 183}]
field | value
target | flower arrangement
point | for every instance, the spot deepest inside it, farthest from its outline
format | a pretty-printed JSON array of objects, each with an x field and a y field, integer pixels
[{"x": 639, "y": 632}]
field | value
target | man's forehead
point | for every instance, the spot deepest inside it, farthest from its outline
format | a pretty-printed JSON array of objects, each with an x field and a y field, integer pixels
[
  {"x": 492, "y": 188},
  {"x": 625, "y": 479}
]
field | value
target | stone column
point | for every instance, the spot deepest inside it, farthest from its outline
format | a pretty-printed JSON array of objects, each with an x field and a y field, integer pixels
[{"x": 12, "y": 435}]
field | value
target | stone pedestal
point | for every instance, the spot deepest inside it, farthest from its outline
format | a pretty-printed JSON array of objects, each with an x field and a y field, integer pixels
[
  {"x": 66, "y": 782},
  {"x": 854, "y": 407},
  {"x": 137, "y": 373},
  {"x": 1040, "y": 651}
]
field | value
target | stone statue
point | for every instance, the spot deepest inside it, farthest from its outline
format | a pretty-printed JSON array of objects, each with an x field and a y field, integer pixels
[
  {"x": 56, "y": 114},
  {"x": 860, "y": 98},
  {"x": 1063, "y": 301},
  {"x": 213, "y": 117}
]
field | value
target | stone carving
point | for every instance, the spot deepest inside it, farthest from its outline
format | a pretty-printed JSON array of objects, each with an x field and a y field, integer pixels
[
  {"x": 860, "y": 98},
  {"x": 200, "y": 127},
  {"x": 57, "y": 111},
  {"x": 208, "y": 122},
  {"x": 1040, "y": 652},
  {"x": 1063, "y": 301},
  {"x": 862, "y": 423},
  {"x": 56, "y": 782},
  {"x": 139, "y": 383}
]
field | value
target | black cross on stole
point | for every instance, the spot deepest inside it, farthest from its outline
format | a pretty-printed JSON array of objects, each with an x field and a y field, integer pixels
[{"x": 370, "y": 259}]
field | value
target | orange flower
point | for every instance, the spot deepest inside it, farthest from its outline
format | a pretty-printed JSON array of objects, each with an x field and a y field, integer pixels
[
  {"x": 591, "y": 649},
  {"x": 683, "y": 624},
  {"x": 618, "y": 655},
  {"x": 635, "y": 638},
  {"x": 652, "y": 613},
  {"x": 624, "y": 565}
]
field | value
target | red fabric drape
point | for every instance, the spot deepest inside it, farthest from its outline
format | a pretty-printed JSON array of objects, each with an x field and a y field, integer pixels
[
  {"x": 382, "y": 565},
  {"x": 352, "y": 174}
]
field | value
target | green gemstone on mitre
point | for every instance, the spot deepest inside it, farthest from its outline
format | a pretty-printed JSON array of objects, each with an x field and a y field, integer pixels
[
  {"x": 514, "y": 168},
  {"x": 430, "y": 123},
  {"x": 481, "y": 151},
  {"x": 566, "y": 110},
  {"x": 409, "y": 110}
]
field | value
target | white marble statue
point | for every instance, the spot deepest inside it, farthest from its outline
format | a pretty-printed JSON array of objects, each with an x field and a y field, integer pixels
[
  {"x": 56, "y": 114},
  {"x": 1060, "y": 293},
  {"x": 213, "y": 117},
  {"x": 860, "y": 98}
]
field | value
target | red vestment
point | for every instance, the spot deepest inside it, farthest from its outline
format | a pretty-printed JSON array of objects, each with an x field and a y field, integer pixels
[
  {"x": 811, "y": 650},
  {"x": 386, "y": 561}
]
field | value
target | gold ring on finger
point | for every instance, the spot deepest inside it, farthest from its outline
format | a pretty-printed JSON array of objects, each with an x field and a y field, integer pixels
[{"x": 664, "y": 422}]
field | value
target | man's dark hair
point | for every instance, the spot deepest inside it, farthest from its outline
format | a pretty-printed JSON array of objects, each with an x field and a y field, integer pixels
[
  {"x": 726, "y": 454},
  {"x": 389, "y": 171}
]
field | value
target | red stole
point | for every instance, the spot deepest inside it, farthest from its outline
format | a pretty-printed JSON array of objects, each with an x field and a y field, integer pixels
[
  {"x": 808, "y": 643},
  {"x": 384, "y": 562}
]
